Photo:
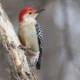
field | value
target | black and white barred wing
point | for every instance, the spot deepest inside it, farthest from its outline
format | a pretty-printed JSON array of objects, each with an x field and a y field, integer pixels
[
  {"x": 40, "y": 42},
  {"x": 40, "y": 36}
]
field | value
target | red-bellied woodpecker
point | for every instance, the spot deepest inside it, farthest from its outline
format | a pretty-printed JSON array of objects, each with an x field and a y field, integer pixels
[{"x": 31, "y": 35}]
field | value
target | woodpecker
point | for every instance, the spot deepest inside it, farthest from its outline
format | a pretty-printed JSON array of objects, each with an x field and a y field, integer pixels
[{"x": 30, "y": 34}]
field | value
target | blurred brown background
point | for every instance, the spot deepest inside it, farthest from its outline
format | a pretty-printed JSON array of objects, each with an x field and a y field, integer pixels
[{"x": 60, "y": 23}]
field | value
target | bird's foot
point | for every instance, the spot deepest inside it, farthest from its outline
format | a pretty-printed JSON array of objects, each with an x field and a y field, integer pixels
[{"x": 24, "y": 47}]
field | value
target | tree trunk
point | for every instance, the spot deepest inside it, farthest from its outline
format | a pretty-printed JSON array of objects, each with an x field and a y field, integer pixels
[{"x": 19, "y": 68}]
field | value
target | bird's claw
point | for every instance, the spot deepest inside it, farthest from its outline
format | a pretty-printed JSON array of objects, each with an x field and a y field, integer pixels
[{"x": 24, "y": 47}]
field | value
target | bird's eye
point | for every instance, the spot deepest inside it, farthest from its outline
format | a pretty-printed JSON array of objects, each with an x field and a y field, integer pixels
[{"x": 30, "y": 12}]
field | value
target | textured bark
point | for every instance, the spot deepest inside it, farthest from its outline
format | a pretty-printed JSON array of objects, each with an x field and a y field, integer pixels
[{"x": 19, "y": 68}]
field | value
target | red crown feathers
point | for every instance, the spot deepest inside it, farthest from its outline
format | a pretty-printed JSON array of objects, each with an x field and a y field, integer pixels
[{"x": 23, "y": 11}]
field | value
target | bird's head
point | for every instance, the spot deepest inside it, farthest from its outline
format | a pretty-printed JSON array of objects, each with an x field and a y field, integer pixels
[{"x": 28, "y": 13}]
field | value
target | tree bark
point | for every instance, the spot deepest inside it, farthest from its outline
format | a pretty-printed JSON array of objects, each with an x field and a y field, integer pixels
[{"x": 19, "y": 68}]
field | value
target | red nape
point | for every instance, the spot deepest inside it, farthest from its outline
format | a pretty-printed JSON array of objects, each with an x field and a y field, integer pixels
[{"x": 23, "y": 11}]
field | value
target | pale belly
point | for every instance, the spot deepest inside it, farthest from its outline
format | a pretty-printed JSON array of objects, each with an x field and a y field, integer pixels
[{"x": 31, "y": 38}]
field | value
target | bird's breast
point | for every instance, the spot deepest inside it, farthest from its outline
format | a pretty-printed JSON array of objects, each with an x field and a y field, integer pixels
[{"x": 30, "y": 36}]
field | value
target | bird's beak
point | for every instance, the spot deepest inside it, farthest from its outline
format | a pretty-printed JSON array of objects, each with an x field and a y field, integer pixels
[{"x": 38, "y": 11}]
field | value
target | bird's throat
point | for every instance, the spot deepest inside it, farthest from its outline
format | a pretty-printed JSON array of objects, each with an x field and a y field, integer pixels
[{"x": 28, "y": 21}]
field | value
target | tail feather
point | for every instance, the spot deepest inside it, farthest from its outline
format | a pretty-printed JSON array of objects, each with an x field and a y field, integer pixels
[{"x": 38, "y": 66}]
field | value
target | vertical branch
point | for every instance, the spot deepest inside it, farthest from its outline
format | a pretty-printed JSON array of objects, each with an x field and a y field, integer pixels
[{"x": 18, "y": 66}]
